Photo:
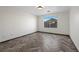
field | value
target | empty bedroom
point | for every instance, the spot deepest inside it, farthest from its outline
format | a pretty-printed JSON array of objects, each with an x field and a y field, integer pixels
[{"x": 39, "y": 29}]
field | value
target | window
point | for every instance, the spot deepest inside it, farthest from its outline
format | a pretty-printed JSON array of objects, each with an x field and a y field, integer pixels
[{"x": 50, "y": 21}]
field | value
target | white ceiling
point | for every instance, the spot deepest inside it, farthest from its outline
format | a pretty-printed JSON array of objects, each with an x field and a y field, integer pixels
[{"x": 33, "y": 9}]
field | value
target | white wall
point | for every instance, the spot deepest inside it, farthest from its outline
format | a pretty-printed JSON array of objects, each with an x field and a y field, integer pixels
[
  {"x": 15, "y": 24},
  {"x": 63, "y": 23},
  {"x": 74, "y": 25}
]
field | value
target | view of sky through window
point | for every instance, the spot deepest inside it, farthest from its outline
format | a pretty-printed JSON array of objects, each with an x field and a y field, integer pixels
[{"x": 46, "y": 18}]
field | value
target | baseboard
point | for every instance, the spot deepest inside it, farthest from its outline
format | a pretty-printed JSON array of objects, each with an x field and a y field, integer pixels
[
  {"x": 53, "y": 33},
  {"x": 74, "y": 43},
  {"x": 32, "y": 33},
  {"x": 17, "y": 37}
]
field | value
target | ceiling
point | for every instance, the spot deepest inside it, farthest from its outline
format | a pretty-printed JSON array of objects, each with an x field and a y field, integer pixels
[{"x": 33, "y": 9}]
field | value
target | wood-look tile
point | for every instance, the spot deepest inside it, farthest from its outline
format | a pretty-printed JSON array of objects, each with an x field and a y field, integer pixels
[{"x": 39, "y": 42}]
